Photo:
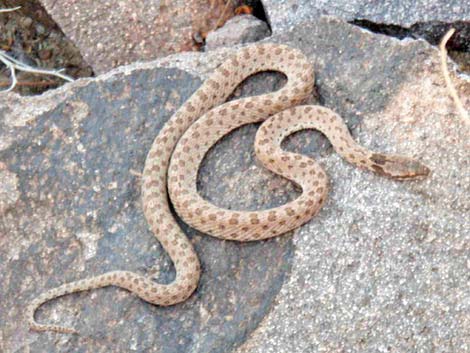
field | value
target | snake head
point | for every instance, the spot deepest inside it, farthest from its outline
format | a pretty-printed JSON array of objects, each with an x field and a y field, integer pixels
[{"x": 398, "y": 167}]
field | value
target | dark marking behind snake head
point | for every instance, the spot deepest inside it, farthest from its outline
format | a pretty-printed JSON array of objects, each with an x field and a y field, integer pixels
[{"x": 398, "y": 167}]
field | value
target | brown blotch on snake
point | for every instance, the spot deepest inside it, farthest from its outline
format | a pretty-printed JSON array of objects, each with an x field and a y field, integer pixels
[{"x": 179, "y": 151}]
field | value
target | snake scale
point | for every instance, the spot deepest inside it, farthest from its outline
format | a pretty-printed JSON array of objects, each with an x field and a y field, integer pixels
[{"x": 173, "y": 160}]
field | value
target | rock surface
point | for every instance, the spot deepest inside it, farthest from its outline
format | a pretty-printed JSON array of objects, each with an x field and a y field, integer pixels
[
  {"x": 74, "y": 163},
  {"x": 428, "y": 19},
  {"x": 283, "y": 14},
  {"x": 110, "y": 33},
  {"x": 382, "y": 267},
  {"x": 238, "y": 30}
]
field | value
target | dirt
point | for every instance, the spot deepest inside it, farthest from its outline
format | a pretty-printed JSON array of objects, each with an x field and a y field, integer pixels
[{"x": 32, "y": 37}]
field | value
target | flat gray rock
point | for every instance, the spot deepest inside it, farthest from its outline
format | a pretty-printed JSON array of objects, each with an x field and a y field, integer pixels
[
  {"x": 428, "y": 19},
  {"x": 70, "y": 201},
  {"x": 283, "y": 14},
  {"x": 383, "y": 266}
]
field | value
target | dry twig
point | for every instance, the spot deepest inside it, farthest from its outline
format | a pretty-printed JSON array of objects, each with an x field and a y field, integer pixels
[
  {"x": 10, "y": 10},
  {"x": 450, "y": 87}
]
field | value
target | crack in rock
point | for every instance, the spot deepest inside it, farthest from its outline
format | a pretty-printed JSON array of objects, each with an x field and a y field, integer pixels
[{"x": 431, "y": 31}]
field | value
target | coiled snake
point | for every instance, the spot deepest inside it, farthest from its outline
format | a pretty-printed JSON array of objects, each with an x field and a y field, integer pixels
[{"x": 176, "y": 153}]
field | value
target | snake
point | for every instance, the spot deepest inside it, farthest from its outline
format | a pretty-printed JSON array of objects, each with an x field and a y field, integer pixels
[{"x": 171, "y": 169}]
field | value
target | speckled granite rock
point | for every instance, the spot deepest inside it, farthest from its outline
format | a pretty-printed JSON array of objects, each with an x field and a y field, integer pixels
[
  {"x": 239, "y": 29},
  {"x": 429, "y": 19},
  {"x": 113, "y": 33},
  {"x": 384, "y": 265}
]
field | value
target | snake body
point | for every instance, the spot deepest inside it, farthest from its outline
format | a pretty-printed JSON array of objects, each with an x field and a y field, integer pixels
[{"x": 176, "y": 153}]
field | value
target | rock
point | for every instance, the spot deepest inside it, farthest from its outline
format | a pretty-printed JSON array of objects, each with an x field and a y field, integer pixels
[
  {"x": 238, "y": 30},
  {"x": 428, "y": 19},
  {"x": 382, "y": 266},
  {"x": 110, "y": 33},
  {"x": 70, "y": 207},
  {"x": 8, "y": 189},
  {"x": 285, "y": 13}
]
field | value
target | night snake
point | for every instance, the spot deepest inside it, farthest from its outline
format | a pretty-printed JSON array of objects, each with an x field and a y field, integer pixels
[{"x": 179, "y": 148}]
